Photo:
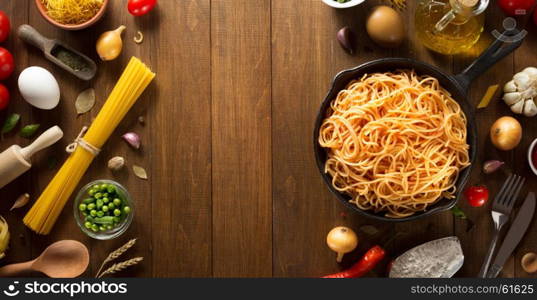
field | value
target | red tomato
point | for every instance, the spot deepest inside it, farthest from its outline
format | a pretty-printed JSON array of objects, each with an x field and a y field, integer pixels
[
  {"x": 477, "y": 196},
  {"x": 4, "y": 97},
  {"x": 6, "y": 64},
  {"x": 141, "y": 7},
  {"x": 515, "y": 7},
  {"x": 4, "y": 26}
]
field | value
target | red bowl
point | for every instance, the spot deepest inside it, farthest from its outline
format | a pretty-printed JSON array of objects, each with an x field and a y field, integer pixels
[{"x": 43, "y": 10}]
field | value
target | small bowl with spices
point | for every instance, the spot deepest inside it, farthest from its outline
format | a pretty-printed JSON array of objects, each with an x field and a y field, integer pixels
[
  {"x": 532, "y": 156},
  {"x": 342, "y": 3},
  {"x": 72, "y": 14}
]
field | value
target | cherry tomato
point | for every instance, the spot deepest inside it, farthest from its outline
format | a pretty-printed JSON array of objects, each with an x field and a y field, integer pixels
[
  {"x": 4, "y": 97},
  {"x": 4, "y": 26},
  {"x": 6, "y": 64},
  {"x": 514, "y": 7},
  {"x": 477, "y": 196},
  {"x": 141, "y": 7}
]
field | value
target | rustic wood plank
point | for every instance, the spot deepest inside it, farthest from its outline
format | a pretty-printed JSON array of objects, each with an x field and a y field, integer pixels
[
  {"x": 20, "y": 243},
  {"x": 525, "y": 57},
  {"x": 65, "y": 117},
  {"x": 181, "y": 126},
  {"x": 306, "y": 56},
  {"x": 475, "y": 242},
  {"x": 440, "y": 225},
  {"x": 241, "y": 142}
]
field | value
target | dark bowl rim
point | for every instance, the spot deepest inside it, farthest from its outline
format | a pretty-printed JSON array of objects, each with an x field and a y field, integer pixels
[{"x": 440, "y": 206}]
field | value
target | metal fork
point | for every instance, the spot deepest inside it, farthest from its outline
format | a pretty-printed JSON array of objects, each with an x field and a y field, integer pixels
[{"x": 501, "y": 209}]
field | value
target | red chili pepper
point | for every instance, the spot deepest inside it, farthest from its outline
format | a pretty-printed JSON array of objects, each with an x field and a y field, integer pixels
[{"x": 370, "y": 259}]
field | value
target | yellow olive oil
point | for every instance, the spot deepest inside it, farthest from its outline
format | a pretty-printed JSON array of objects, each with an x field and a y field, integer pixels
[{"x": 459, "y": 34}]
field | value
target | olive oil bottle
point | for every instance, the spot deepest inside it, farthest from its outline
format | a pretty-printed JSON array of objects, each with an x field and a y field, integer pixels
[{"x": 450, "y": 26}]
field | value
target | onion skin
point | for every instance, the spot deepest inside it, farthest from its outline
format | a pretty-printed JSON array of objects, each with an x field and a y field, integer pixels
[
  {"x": 110, "y": 44},
  {"x": 341, "y": 240},
  {"x": 506, "y": 133}
]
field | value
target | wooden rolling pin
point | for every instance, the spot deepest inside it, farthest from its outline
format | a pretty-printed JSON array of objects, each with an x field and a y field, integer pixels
[{"x": 16, "y": 160}]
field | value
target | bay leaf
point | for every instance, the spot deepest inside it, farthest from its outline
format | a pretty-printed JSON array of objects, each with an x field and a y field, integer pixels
[
  {"x": 139, "y": 172},
  {"x": 85, "y": 101}
]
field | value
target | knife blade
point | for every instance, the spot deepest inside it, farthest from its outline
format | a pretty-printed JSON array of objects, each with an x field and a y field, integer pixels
[{"x": 514, "y": 235}]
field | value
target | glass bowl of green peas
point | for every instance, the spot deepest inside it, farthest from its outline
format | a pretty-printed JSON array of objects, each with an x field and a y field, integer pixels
[{"x": 103, "y": 209}]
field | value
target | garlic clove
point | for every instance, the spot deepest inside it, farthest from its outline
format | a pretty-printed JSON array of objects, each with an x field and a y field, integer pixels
[
  {"x": 512, "y": 98},
  {"x": 522, "y": 81},
  {"x": 510, "y": 87},
  {"x": 530, "y": 109},
  {"x": 116, "y": 163},
  {"x": 531, "y": 72},
  {"x": 528, "y": 93},
  {"x": 518, "y": 107},
  {"x": 132, "y": 139}
]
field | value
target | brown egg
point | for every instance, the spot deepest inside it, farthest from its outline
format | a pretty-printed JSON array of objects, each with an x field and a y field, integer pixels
[{"x": 386, "y": 27}]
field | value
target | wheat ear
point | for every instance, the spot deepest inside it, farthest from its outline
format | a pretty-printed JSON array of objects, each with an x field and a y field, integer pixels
[
  {"x": 121, "y": 266},
  {"x": 117, "y": 253}
]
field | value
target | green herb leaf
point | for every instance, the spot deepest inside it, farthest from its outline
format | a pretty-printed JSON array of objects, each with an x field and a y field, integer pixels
[
  {"x": 457, "y": 212},
  {"x": 29, "y": 130},
  {"x": 10, "y": 123}
]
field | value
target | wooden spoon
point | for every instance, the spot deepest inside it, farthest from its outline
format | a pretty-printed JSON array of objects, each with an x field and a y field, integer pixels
[{"x": 63, "y": 259}]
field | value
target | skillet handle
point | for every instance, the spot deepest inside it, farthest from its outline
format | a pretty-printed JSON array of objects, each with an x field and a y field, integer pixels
[{"x": 502, "y": 46}]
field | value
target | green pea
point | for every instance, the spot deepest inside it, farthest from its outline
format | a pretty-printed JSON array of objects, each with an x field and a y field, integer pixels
[
  {"x": 127, "y": 210},
  {"x": 82, "y": 207},
  {"x": 91, "y": 192},
  {"x": 87, "y": 225},
  {"x": 117, "y": 202},
  {"x": 93, "y": 213},
  {"x": 89, "y": 219},
  {"x": 91, "y": 206},
  {"x": 106, "y": 200},
  {"x": 109, "y": 227},
  {"x": 98, "y": 196},
  {"x": 111, "y": 206},
  {"x": 95, "y": 227},
  {"x": 103, "y": 186},
  {"x": 95, "y": 187},
  {"x": 116, "y": 220},
  {"x": 99, "y": 203},
  {"x": 102, "y": 228},
  {"x": 106, "y": 220},
  {"x": 100, "y": 213},
  {"x": 105, "y": 208},
  {"x": 105, "y": 195},
  {"x": 111, "y": 189},
  {"x": 117, "y": 212},
  {"x": 88, "y": 200},
  {"x": 84, "y": 213}
]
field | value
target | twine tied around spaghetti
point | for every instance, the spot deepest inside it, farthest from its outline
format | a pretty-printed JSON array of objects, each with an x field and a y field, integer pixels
[{"x": 79, "y": 141}]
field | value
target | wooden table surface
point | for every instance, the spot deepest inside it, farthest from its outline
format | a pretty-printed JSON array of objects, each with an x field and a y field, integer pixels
[{"x": 233, "y": 190}]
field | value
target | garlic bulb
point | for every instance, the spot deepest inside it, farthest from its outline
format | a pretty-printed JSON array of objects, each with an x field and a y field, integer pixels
[{"x": 521, "y": 92}]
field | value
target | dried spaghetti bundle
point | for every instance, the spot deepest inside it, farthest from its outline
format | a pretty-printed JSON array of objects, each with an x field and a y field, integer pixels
[{"x": 45, "y": 211}]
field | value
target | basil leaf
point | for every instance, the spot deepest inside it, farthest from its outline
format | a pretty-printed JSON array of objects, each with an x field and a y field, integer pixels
[
  {"x": 457, "y": 212},
  {"x": 10, "y": 123},
  {"x": 29, "y": 130}
]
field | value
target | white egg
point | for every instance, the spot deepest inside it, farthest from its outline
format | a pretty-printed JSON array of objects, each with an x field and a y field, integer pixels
[{"x": 39, "y": 88}]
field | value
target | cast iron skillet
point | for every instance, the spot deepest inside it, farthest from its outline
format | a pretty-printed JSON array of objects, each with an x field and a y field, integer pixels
[{"x": 458, "y": 87}]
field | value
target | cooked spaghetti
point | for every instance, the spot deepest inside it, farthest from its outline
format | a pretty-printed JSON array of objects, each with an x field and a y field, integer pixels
[{"x": 396, "y": 142}]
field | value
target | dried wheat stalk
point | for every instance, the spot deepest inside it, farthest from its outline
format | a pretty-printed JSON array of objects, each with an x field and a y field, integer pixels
[
  {"x": 117, "y": 253},
  {"x": 121, "y": 266}
]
